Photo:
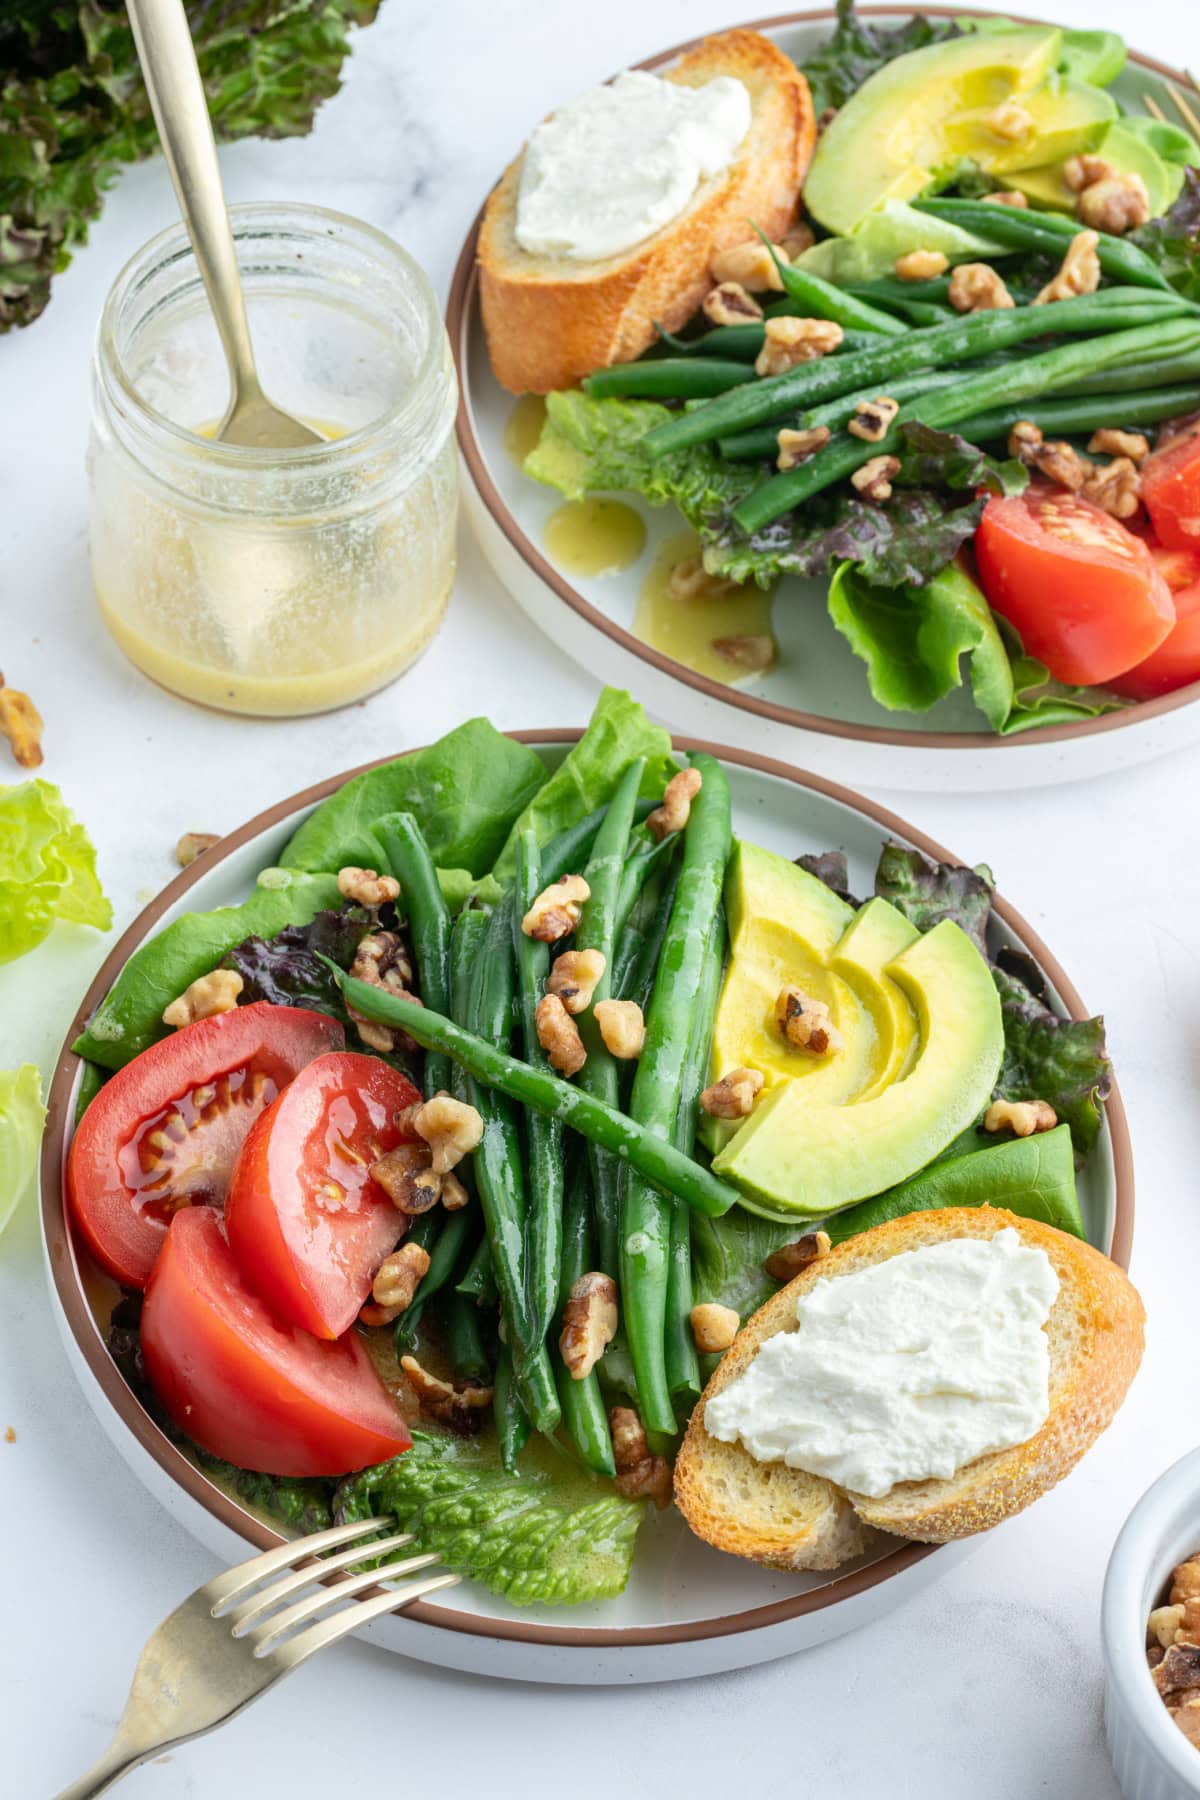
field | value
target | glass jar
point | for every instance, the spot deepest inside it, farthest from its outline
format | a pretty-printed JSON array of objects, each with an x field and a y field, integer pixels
[{"x": 275, "y": 582}]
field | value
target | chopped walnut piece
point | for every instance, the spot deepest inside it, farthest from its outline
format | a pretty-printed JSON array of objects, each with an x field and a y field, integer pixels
[
  {"x": 640, "y": 1476},
  {"x": 731, "y": 304},
  {"x": 1109, "y": 441},
  {"x": 733, "y": 1096},
  {"x": 558, "y": 1034},
  {"x": 382, "y": 962},
  {"x": 1163, "y": 1624},
  {"x": 574, "y": 977},
  {"x": 1024, "y": 1118},
  {"x": 589, "y": 1323},
  {"x": 1025, "y": 440},
  {"x": 1185, "y": 1582},
  {"x": 921, "y": 265},
  {"x": 193, "y": 844},
  {"x": 792, "y": 341},
  {"x": 976, "y": 287},
  {"x": 752, "y": 653},
  {"x": 555, "y": 912},
  {"x": 1061, "y": 463},
  {"x": 367, "y": 887},
  {"x": 1118, "y": 204},
  {"x": 396, "y": 1281},
  {"x": 796, "y": 240},
  {"x": 622, "y": 1028},
  {"x": 796, "y": 447},
  {"x": 450, "y": 1127},
  {"x": 1011, "y": 122},
  {"x": 1116, "y": 486},
  {"x": 459, "y": 1406},
  {"x": 454, "y": 1194},
  {"x": 1179, "y": 1668},
  {"x": 805, "y": 1023},
  {"x": 1079, "y": 273},
  {"x": 713, "y": 1327},
  {"x": 1080, "y": 172},
  {"x": 751, "y": 265},
  {"x": 406, "y": 1178},
  {"x": 786, "y": 1262},
  {"x": 1187, "y": 1718},
  {"x": 690, "y": 580},
  {"x": 207, "y": 996},
  {"x": 1008, "y": 197},
  {"x": 676, "y": 806},
  {"x": 21, "y": 723},
  {"x": 1188, "y": 1631},
  {"x": 874, "y": 480},
  {"x": 873, "y": 419}
]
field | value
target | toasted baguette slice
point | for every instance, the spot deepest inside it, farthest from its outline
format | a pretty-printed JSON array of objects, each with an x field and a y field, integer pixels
[
  {"x": 784, "y": 1517},
  {"x": 551, "y": 320}
]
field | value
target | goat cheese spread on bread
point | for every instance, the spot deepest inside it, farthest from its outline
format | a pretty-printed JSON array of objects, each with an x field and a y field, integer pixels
[
  {"x": 906, "y": 1370},
  {"x": 623, "y": 160}
]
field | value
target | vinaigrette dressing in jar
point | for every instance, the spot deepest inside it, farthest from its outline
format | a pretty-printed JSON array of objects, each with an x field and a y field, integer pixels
[{"x": 275, "y": 582}]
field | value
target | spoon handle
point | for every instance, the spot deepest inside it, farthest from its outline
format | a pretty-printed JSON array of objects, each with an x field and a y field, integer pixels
[{"x": 172, "y": 77}]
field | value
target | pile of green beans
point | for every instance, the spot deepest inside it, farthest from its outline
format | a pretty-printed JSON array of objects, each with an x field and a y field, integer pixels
[
  {"x": 763, "y": 440},
  {"x": 543, "y": 1136},
  {"x": 1022, "y": 228}
]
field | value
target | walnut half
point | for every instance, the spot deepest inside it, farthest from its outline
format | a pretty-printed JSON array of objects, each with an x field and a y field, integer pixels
[
  {"x": 207, "y": 996},
  {"x": 640, "y": 1476},
  {"x": 805, "y": 1022},
  {"x": 459, "y": 1406},
  {"x": 786, "y": 1263},
  {"x": 1023, "y": 1118},
  {"x": 589, "y": 1323}
]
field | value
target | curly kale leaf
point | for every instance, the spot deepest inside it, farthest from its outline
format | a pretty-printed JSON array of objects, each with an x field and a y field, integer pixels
[
  {"x": 859, "y": 47},
  {"x": 73, "y": 109},
  {"x": 1174, "y": 239}
]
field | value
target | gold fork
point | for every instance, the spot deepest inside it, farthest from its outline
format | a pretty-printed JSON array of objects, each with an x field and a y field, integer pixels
[
  {"x": 1186, "y": 112},
  {"x": 212, "y": 1657}
]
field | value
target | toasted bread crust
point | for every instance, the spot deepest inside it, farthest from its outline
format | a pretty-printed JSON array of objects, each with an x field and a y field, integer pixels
[
  {"x": 549, "y": 322},
  {"x": 1095, "y": 1329}
]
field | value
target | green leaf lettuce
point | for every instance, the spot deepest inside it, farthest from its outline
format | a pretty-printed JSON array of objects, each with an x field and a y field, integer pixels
[
  {"x": 22, "y": 1116},
  {"x": 47, "y": 869}
]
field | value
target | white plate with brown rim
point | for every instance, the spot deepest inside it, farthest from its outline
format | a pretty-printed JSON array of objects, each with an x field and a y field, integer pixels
[
  {"x": 813, "y": 705},
  {"x": 688, "y": 1610}
]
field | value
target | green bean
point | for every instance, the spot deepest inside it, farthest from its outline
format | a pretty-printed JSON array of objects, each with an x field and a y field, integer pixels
[
  {"x": 974, "y": 335},
  {"x": 451, "y": 1234},
  {"x": 491, "y": 1069},
  {"x": 763, "y": 440},
  {"x": 889, "y": 288},
  {"x": 1065, "y": 416},
  {"x": 477, "y": 1280},
  {"x": 658, "y": 1085},
  {"x": 464, "y": 1340},
  {"x": 991, "y": 388},
  {"x": 671, "y": 378},
  {"x": 633, "y": 976},
  {"x": 683, "y": 1364},
  {"x": 499, "y": 1170},
  {"x": 1157, "y": 372},
  {"x": 822, "y": 300},
  {"x": 742, "y": 343},
  {"x": 907, "y": 306},
  {"x": 406, "y": 854},
  {"x": 600, "y": 1074},
  {"x": 645, "y": 859},
  {"x": 543, "y": 1136},
  {"x": 572, "y": 847},
  {"x": 512, "y": 1421},
  {"x": 1024, "y": 229},
  {"x": 585, "y": 1420}
]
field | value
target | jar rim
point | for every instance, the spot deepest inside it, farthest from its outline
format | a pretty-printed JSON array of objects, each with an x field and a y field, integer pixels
[{"x": 174, "y": 242}]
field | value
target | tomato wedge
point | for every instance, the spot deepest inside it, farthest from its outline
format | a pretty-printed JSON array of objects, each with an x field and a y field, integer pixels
[
  {"x": 1176, "y": 662},
  {"x": 163, "y": 1133},
  {"x": 1083, "y": 592},
  {"x": 306, "y": 1222},
  {"x": 1170, "y": 488},
  {"x": 259, "y": 1393}
]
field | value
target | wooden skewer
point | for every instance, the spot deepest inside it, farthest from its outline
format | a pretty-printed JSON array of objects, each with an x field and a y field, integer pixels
[{"x": 1184, "y": 110}]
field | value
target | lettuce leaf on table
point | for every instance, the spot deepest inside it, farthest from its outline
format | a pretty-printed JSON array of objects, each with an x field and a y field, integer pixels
[
  {"x": 22, "y": 1116},
  {"x": 47, "y": 869}
]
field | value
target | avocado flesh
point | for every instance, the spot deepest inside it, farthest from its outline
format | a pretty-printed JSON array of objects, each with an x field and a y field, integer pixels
[
  {"x": 785, "y": 927},
  {"x": 890, "y": 137},
  {"x": 876, "y": 935},
  {"x": 1065, "y": 119},
  {"x": 1125, "y": 151},
  {"x": 796, "y": 1158}
]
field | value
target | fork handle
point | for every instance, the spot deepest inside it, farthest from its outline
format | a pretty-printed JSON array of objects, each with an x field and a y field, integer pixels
[{"x": 117, "y": 1760}]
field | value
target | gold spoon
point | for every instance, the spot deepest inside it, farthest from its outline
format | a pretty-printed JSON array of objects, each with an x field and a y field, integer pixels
[{"x": 172, "y": 77}]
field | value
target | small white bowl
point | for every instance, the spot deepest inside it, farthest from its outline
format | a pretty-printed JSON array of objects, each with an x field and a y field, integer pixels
[{"x": 1152, "y": 1758}]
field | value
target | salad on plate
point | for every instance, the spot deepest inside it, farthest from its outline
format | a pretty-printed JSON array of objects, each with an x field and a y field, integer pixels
[{"x": 442, "y": 1173}]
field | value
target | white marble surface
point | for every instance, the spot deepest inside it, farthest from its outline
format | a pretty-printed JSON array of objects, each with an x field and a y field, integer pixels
[{"x": 987, "y": 1685}]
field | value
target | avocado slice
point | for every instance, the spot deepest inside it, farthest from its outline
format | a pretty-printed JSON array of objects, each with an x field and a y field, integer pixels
[
  {"x": 799, "y": 1158},
  {"x": 890, "y": 137},
  {"x": 1126, "y": 150},
  {"x": 877, "y": 934},
  {"x": 1065, "y": 118},
  {"x": 1095, "y": 56}
]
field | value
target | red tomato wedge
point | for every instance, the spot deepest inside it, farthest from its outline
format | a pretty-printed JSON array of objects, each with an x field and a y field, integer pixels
[
  {"x": 163, "y": 1133},
  {"x": 1083, "y": 592},
  {"x": 1176, "y": 662},
  {"x": 1170, "y": 488},
  {"x": 244, "y": 1386},
  {"x": 306, "y": 1222}
]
